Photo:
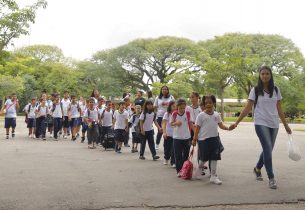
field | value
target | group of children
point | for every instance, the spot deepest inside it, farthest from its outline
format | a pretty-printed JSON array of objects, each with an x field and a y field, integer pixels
[{"x": 182, "y": 126}]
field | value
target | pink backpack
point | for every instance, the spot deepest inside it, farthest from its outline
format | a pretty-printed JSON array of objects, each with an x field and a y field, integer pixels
[{"x": 187, "y": 169}]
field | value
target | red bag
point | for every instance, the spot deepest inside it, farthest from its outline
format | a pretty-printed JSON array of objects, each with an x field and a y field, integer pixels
[{"x": 187, "y": 169}]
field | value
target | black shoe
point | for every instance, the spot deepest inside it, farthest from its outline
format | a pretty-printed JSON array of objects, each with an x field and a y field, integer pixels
[
  {"x": 83, "y": 139},
  {"x": 258, "y": 174},
  {"x": 7, "y": 136},
  {"x": 142, "y": 158},
  {"x": 13, "y": 135},
  {"x": 126, "y": 145},
  {"x": 156, "y": 157}
]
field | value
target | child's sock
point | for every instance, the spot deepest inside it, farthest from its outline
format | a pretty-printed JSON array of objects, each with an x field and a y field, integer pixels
[{"x": 213, "y": 167}]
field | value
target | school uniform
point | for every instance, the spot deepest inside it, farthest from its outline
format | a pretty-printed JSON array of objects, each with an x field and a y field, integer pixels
[
  {"x": 31, "y": 112},
  {"x": 181, "y": 136},
  {"x": 120, "y": 125},
  {"x": 134, "y": 121},
  {"x": 126, "y": 139},
  {"x": 65, "y": 105},
  {"x": 149, "y": 133},
  {"x": 162, "y": 105},
  {"x": 92, "y": 117},
  {"x": 10, "y": 114},
  {"x": 74, "y": 114},
  {"x": 57, "y": 118},
  {"x": 208, "y": 138},
  {"x": 106, "y": 125},
  {"x": 168, "y": 142},
  {"x": 41, "y": 121}
]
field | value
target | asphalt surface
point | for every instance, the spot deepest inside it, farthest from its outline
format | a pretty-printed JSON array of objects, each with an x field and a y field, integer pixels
[{"x": 66, "y": 175}]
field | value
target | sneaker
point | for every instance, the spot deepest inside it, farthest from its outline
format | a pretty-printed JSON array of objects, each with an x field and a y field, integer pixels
[
  {"x": 215, "y": 180},
  {"x": 126, "y": 145},
  {"x": 55, "y": 139},
  {"x": 136, "y": 150},
  {"x": 165, "y": 162},
  {"x": 64, "y": 136},
  {"x": 7, "y": 136},
  {"x": 142, "y": 158},
  {"x": 156, "y": 157},
  {"x": 13, "y": 135},
  {"x": 51, "y": 136},
  {"x": 83, "y": 139},
  {"x": 258, "y": 174},
  {"x": 178, "y": 175},
  {"x": 157, "y": 147},
  {"x": 173, "y": 165},
  {"x": 272, "y": 184},
  {"x": 44, "y": 138}
]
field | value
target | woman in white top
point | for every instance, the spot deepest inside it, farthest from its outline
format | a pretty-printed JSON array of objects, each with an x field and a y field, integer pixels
[
  {"x": 161, "y": 103},
  {"x": 266, "y": 98}
]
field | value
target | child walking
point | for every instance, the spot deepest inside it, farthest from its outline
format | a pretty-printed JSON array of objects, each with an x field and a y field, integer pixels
[
  {"x": 74, "y": 113},
  {"x": 120, "y": 124},
  {"x": 134, "y": 123},
  {"x": 106, "y": 121},
  {"x": 10, "y": 106},
  {"x": 206, "y": 134},
  {"x": 91, "y": 118},
  {"x": 168, "y": 135},
  {"x": 57, "y": 114},
  {"x": 182, "y": 123},
  {"x": 42, "y": 111},
  {"x": 147, "y": 118},
  {"x": 30, "y": 110}
]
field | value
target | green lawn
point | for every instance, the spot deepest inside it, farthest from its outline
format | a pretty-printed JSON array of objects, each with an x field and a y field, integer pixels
[{"x": 299, "y": 129}]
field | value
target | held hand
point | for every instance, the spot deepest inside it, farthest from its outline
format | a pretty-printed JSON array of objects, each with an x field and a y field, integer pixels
[
  {"x": 178, "y": 123},
  {"x": 126, "y": 129},
  {"x": 161, "y": 130},
  {"x": 165, "y": 136},
  {"x": 143, "y": 132},
  {"x": 288, "y": 130},
  {"x": 194, "y": 142},
  {"x": 232, "y": 126}
]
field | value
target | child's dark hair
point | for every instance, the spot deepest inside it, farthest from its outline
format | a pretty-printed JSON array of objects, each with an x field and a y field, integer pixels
[
  {"x": 170, "y": 104},
  {"x": 73, "y": 96},
  {"x": 148, "y": 102},
  {"x": 196, "y": 94},
  {"x": 121, "y": 103},
  {"x": 108, "y": 102},
  {"x": 212, "y": 97},
  {"x": 181, "y": 102}
]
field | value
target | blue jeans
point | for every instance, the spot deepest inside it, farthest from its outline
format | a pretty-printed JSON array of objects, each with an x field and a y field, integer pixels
[
  {"x": 267, "y": 137},
  {"x": 57, "y": 125}
]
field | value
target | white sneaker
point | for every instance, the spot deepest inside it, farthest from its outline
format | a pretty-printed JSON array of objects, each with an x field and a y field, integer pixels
[
  {"x": 51, "y": 136},
  {"x": 65, "y": 137},
  {"x": 174, "y": 166},
  {"x": 157, "y": 146},
  {"x": 165, "y": 162},
  {"x": 215, "y": 180}
]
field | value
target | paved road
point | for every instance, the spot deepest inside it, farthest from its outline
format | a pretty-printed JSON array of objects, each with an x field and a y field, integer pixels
[{"x": 67, "y": 175}]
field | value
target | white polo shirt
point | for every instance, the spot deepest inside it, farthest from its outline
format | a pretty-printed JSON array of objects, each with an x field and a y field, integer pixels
[{"x": 208, "y": 125}]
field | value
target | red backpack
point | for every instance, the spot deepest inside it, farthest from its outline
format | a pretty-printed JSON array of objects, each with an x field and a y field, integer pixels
[
  {"x": 188, "y": 116},
  {"x": 187, "y": 169}
]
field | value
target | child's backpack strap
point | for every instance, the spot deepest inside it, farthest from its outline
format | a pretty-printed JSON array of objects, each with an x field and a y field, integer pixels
[
  {"x": 188, "y": 116},
  {"x": 29, "y": 109},
  {"x": 102, "y": 116},
  {"x": 175, "y": 113},
  {"x": 54, "y": 107}
]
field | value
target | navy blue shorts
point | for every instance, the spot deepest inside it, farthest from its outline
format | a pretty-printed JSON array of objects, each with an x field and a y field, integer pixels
[
  {"x": 10, "y": 122},
  {"x": 210, "y": 149},
  {"x": 31, "y": 123},
  {"x": 119, "y": 135},
  {"x": 75, "y": 122},
  {"x": 66, "y": 122}
]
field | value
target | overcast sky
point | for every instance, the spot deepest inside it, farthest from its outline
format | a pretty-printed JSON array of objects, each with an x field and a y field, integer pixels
[{"x": 82, "y": 27}]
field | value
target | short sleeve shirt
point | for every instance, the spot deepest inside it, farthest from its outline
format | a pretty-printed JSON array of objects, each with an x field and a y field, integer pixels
[
  {"x": 149, "y": 120},
  {"x": 162, "y": 105},
  {"x": 265, "y": 112},
  {"x": 208, "y": 125},
  {"x": 120, "y": 119},
  {"x": 10, "y": 109},
  {"x": 169, "y": 128}
]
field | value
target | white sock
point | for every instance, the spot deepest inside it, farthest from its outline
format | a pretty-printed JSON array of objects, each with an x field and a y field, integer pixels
[{"x": 213, "y": 167}]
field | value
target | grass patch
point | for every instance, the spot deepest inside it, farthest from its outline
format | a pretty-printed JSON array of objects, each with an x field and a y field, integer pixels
[
  {"x": 299, "y": 129},
  {"x": 233, "y": 119}
]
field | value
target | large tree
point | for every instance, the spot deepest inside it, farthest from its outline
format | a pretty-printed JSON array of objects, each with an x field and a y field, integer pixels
[
  {"x": 15, "y": 21},
  {"x": 145, "y": 61}
]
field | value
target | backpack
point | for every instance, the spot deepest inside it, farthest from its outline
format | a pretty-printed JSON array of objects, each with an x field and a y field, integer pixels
[
  {"x": 256, "y": 94},
  {"x": 136, "y": 128},
  {"x": 54, "y": 107},
  {"x": 188, "y": 116},
  {"x": 187, "y": 169}
]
